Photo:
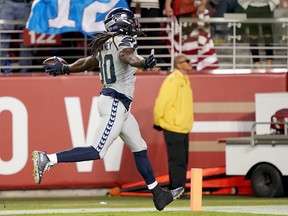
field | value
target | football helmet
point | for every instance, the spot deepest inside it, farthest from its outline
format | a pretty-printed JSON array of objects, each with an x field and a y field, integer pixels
[{"x": 122, "y": 20}]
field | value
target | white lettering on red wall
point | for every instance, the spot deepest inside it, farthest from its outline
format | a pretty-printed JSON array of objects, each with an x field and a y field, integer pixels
[
  {"x": 113, "y": 157},
  {"x": 19, "y": 136}
]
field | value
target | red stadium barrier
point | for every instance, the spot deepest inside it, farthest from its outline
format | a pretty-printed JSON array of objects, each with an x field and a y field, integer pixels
[
  {"x": 53, "y": 114},
  {"x": 215, "y": 181}
]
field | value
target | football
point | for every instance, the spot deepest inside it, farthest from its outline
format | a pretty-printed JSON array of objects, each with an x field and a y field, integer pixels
[{"x": 51, "y": 61}]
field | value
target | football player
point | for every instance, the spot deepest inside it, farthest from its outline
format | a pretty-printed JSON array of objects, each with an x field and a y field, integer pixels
[{"x": 115, "y": 52}]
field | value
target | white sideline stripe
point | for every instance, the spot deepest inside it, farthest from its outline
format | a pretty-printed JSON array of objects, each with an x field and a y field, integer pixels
[
  {"x": 270, "y": 210},
  {"x": 85, "y": 210},
  {"x": 221, "y": 126}
]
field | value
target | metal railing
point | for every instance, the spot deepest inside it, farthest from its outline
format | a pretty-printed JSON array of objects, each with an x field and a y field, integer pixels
[
  {"x": 233, "y": 51},
  {"x": 271, "y": 139},
  {"x": 235, "y": 47}
]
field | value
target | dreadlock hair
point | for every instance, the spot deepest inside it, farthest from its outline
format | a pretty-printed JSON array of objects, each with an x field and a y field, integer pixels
[{"x": 101, "y": 38}]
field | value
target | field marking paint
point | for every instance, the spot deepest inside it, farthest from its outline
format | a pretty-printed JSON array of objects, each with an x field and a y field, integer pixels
[
  {"x": 84, "y": 210},
  {"x": 271, "y": 210}
]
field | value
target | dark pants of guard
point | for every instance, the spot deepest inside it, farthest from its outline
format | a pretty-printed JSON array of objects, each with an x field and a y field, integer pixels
[{"x": 177, "y": 149}]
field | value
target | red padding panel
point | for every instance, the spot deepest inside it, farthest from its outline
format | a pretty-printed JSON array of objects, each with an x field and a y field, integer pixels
[{"x": 34, "y": 115}]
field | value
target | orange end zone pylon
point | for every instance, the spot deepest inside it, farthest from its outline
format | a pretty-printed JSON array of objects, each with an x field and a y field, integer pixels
[{"x": 196, "y": 190}]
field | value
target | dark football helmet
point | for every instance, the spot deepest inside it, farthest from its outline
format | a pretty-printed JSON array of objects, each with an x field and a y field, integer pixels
[{"x": 122, "y": 20}]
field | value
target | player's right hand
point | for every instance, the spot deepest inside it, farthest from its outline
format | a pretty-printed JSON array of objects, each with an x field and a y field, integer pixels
[
  {"x": 150, "y": 62},
  {"x": 58, "y": 68}
]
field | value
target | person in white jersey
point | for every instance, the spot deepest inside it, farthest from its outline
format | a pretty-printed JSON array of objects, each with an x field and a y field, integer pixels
[{"x": 115, "y": 52}]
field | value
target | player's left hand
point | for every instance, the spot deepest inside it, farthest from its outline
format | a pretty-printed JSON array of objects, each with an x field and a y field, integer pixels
[{"x": 150, "y": 62}]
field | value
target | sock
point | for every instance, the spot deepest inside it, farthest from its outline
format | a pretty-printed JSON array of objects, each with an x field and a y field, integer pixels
[
  {"x": 153, "y": 185},
  {"x": 52, "y": 158},
  {"x": 144, "y": 166},
  {"x": 78, "y": 154}
]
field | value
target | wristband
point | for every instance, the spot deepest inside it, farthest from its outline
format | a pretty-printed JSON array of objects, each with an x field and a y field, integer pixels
[
  {"x": 65, "y": 69},
  {"x": 143, "y": 63}
]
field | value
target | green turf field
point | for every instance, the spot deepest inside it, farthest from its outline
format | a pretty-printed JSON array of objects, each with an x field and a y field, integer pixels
[{"x": 126, "y": 206}]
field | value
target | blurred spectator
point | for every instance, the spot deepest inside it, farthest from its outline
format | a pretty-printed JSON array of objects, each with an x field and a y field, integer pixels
[
  {"x": 184, "y": 7},
  {"x": 260, "y": 9},
  {"x": 218, "y": 8},
  {"x": 196, "y": 37},
  {"x": 149, "y": 9},
  {"x": 14, "y": 10}
]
